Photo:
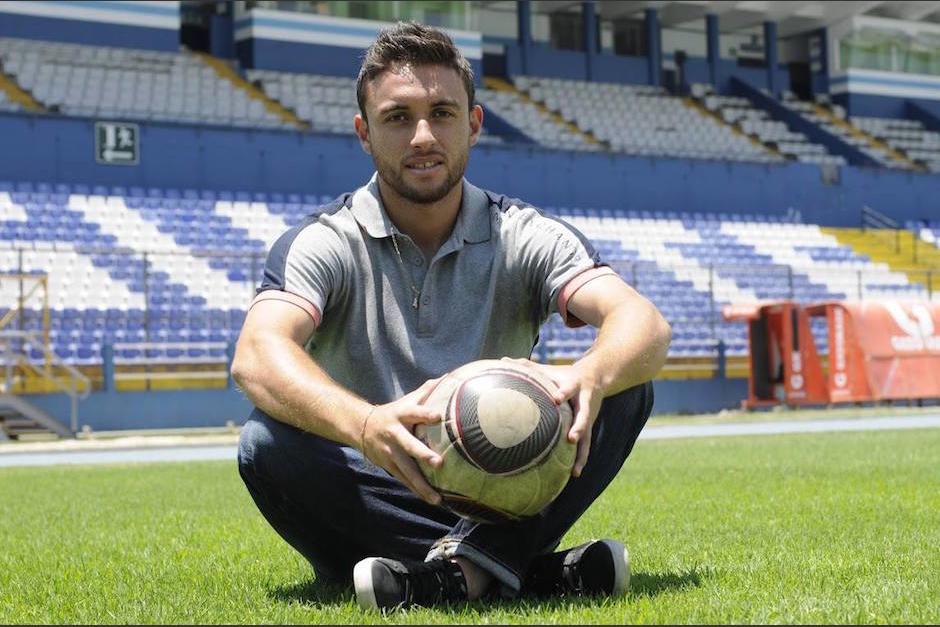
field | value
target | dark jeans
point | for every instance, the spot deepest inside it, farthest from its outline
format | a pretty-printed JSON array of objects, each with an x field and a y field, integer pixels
[{"x": 337, "y": 508}]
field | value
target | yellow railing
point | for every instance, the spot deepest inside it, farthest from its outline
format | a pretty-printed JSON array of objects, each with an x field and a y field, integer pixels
[{"x": 29, "y": 290}]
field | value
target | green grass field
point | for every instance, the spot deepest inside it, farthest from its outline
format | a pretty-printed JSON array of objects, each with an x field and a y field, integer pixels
[{"x": 827, "y": 528}]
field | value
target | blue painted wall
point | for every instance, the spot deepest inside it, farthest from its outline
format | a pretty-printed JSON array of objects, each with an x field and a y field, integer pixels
[
  {"x": 174, "y": 409},
  {"x": 755, "y": 76},
  {"x": 883, "y": 106},
  {"x": 62, "y": 150},
  {"x": 546, "y": 61},
  {"x": 90, "y": 33},
  {"x": 927, "y": 112},
  {"x": 867, "y": 105},
  {"x": 285, "y": 56},
  {"x": 609, "y": 68}
]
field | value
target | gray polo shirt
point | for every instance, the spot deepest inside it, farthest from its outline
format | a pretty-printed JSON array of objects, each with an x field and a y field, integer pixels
[{"x": 504, "y": 269}]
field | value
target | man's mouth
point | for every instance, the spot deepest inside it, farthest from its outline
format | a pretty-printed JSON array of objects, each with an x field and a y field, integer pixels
[{"x": 423, "y": 165}]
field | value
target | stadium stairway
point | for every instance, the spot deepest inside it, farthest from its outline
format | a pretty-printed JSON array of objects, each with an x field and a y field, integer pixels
[
  {"x": 897, "y": 248},
  {"x": 20, "y": 96},
  {"x": 226, "y": 72},
  {"x": 499, "y": 84},
  {"x": 20, "y": 420},
  {"x": 872, "y": 141}
]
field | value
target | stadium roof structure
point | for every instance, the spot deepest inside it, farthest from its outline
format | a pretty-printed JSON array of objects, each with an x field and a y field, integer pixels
[{"x": 793, "y": 17}]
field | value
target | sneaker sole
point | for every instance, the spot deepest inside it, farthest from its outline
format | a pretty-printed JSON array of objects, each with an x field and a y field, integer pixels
[
  {"x": 362, "y": 580},
  {"x": 621, "y": 559}
]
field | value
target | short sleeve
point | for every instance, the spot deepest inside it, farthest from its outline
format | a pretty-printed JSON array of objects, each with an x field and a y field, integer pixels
[
  {"x": 553, "y": 253},
  {"x": 305, "y": 266}
]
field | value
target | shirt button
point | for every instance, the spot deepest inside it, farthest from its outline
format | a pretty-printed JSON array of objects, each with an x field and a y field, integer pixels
[
  {"x": 418, "y": 261},
  {"x": 426, "y": 300}
]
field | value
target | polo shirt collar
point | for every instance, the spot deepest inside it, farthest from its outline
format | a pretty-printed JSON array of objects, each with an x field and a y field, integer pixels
[{"x": 473, "y": 221}]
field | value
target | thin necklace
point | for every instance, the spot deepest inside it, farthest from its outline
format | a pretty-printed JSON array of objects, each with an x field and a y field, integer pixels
[{"x": 414, "y": 288}]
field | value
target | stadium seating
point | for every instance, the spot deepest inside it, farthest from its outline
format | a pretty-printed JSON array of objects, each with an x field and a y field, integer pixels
[
  {"x": 907, "y": 136},
  {"x": 328, "y": 103},
  {"x": 755, "y": 122},
  {"x": 6, "y": 104},
  {"x": 537, "y": 123},
  {"x": 177, "y": 266},
  {"x": 84, "y": 80},
  {"x": 648, "y": 120},
  {"x": 87, "y": 80}
]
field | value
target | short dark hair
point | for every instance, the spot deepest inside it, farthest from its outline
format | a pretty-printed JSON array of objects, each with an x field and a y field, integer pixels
[{"x": 415, "y": 44}]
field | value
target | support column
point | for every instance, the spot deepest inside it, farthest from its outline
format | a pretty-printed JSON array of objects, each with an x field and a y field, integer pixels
[
  {"x": 713, "y": 49},
  {"x": 222, "y": 31},
  {"x": 653, "y": 53},
  {"x": 589, "y": 26},
  {"x": 524, "y": 18},
  {"x": 770, "y": 56}
]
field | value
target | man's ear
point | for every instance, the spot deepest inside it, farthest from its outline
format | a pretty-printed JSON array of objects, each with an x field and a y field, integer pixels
[
  {"x": 476, "y": 123},
  {"x": 362, "y": 131}
]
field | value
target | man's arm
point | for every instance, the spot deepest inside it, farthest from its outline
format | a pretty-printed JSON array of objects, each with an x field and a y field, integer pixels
[
  {"x": 632, "y": 338},
  {"x": 630, "y": 348},
  {"x": 281, "y": 379}
]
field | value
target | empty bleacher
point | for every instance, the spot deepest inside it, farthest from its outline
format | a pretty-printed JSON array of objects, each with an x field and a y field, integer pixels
[
  {"x": 532, "y": 120},
  {"x": 328, "y": 103},
  {"x": 754, "y": 122},
  {"x": 85, "y": 80},
  {"x": 6, "y": 104},
  {"x": 909, "y": 137},
  {"x": 641, "y": 120},
  {"x": 130, "y": 266}
]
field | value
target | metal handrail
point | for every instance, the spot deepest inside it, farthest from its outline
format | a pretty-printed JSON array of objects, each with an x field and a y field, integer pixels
[{"x": 12, "y": 356}]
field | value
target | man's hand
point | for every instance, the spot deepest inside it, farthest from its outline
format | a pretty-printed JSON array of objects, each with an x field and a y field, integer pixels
[
  {"x": 388, "y": 440},
  {"x": 585, "y": 397}
]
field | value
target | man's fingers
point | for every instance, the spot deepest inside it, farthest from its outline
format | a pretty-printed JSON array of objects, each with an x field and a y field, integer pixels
[
  {"x": 580, "y": 431},
  {"x": 584, "y": 448},
  {"x": 419, "y": 450},
  {"x": 411, "y": 476},
  {"x": 578, "y": 427},
  {"x": 421, "y": 414}
]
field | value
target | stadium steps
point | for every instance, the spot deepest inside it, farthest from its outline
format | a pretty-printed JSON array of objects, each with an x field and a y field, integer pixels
[
  {"x": 692, "y": 103},
  {"x": 226, "y": 72},
  {"x": 897, "y": 249},
  {"x": 499, "y": 84},
  {"x": 20, "y": 96},
  {"x": 21, "y": 420},
  {"x": 872, "y": 141}
]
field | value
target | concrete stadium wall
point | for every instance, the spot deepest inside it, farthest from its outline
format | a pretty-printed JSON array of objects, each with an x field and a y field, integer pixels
[
  {"x": 61, "y": 150},
  {"x": 174, "y": 409},
  {"x": 320, "y": 44},
  {"x": 883, "y": 106},
  {"x": 147, "y": 25}
]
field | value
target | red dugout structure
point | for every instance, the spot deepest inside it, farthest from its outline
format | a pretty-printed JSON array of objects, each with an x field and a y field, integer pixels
[{"x": 878, "y": 350}]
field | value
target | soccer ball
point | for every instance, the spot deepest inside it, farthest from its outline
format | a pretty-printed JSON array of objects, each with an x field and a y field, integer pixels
[{"x": 503, "y": 439}]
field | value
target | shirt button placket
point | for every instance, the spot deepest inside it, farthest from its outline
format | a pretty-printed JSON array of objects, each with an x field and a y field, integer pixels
[{"x": 425, "y": 311}]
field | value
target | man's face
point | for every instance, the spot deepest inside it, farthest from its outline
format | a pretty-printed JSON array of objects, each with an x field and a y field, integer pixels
[{"x": 419, "y": 130}]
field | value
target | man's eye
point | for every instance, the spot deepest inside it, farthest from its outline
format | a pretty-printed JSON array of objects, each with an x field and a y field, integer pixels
[
  {"x": 443, "y": 113},
  {"x": 396, "y": 117}
]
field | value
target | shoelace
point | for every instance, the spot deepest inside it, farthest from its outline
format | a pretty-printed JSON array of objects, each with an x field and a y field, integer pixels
[
  {"x": 431, "y": 582},
  {"x": 571, "y": 573}
]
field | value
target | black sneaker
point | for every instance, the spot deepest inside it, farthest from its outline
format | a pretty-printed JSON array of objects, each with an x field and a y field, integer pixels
[
  {"x": 385, "y": 583},
  {"x": 595, "y": 568}
]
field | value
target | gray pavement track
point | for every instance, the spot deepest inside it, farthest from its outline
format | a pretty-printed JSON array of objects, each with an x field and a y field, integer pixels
[{"x": 139, "y": 450}]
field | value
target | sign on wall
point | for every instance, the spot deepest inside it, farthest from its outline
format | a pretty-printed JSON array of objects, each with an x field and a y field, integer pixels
[{"x": 117, "y": 143}]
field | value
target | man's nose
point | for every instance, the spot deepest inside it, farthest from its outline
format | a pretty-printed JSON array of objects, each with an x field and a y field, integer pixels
[{"x": 423, "y": 136}]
